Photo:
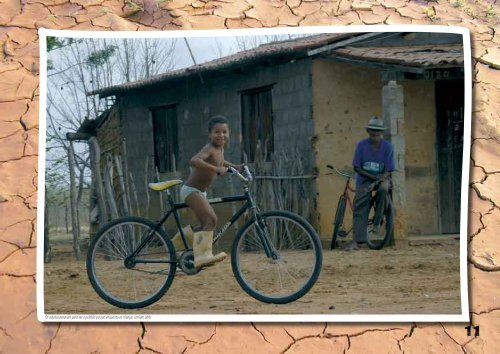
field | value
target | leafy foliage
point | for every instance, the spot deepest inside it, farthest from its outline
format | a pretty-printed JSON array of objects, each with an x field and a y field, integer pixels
[
  {"x": 55, "y": 43},
  {"x": 100, "y": 57}
]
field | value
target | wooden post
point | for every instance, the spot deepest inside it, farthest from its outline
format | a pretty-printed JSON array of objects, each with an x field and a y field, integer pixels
[
  {"x": 47, "y": 254},
  {"x": 126, "y": 175},
  {"x": 146, "y": 182},
  {"x": 393, "y": 105},
  {"x": 134, "y": 191},
  {"x": 75, "y": 228},
  {"x": 66, "y": 216},
  {"x": 95, "y": 158},
  {"x": 161, "y": 193},
  {"x": 124, "y": 198},
  {"x": 108, "y": 187},
  {"x": 233, "y": 205}
]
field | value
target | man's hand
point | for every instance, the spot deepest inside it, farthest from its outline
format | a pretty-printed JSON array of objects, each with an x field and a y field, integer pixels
[
  {"x": 383, "y": 176},
  {"x": 363, "y": 173}
]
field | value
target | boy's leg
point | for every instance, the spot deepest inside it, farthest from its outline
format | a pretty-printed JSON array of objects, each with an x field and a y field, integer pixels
[
  {"x": 177, "y": 239},
  {"x": 203, "y": 211},
  {"x": 202, "y": 242}
]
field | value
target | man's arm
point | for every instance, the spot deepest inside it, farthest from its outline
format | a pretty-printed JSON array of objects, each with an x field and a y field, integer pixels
[
  {"x": 357, "y": 162},
  {"x": 389, "y": 164},
  {"x": 363, "y": 173}
]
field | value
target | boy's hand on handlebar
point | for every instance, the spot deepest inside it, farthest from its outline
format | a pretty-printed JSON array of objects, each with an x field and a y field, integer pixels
[{"x": 221, "y": 170}]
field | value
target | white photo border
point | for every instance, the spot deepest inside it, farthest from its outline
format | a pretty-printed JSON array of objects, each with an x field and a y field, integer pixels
[{"x": 354, "y": 318}]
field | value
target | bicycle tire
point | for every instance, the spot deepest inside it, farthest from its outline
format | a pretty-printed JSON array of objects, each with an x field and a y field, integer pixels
[
  {"x": 247, "y": 251},
  {"x": 339, "y": 220},
  {"x": 387, "y": 227},
  {"x": 117, "y": 282}
]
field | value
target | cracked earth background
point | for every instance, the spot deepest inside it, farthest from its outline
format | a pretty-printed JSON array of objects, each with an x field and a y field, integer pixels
[{"x": 19, "y": 80}]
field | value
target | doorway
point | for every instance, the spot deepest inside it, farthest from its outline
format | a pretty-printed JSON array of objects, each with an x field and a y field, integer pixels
[{"x": 450, "y": 137}]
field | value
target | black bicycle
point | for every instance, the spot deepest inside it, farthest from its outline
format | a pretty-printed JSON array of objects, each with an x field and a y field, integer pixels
[
  {"x": 373, "y": 240},
  {"x": 276, "y": 256}
]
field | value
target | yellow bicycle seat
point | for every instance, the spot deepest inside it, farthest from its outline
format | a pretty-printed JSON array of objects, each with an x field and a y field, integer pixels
[{"x": 161, "y": 186}]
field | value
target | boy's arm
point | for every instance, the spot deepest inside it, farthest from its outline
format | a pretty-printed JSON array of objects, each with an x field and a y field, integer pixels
[
  {"x": 229, "y": 164},
  {"x": 198, "y": 161}
]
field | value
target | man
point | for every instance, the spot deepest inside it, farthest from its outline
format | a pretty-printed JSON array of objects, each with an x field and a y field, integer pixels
[{"x": 373, "y": 162}]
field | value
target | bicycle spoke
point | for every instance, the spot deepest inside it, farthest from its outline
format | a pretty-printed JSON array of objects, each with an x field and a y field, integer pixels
[
  {"x": 295, "y": 268},
  {"x": 129, "y": 282}
]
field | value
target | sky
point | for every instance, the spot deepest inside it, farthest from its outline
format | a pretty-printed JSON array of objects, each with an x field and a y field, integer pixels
[{"x": 204, "y": 49}]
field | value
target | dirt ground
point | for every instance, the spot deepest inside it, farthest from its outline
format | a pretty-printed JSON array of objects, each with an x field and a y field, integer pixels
[{"x": 405, "y": 280}]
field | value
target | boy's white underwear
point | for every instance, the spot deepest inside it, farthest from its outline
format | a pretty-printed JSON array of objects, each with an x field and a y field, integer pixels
[{"x": 187, "y": 190}]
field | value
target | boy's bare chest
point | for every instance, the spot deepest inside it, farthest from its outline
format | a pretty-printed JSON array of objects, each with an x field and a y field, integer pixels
[{"x": 216, "y": 158}]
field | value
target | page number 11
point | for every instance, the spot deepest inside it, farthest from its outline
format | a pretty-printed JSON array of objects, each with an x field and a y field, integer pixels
[{"x": 469, "y": 328}]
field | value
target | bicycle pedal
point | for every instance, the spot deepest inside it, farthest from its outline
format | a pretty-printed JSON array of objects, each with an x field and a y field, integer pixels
[{"x": 342, "y": 233}]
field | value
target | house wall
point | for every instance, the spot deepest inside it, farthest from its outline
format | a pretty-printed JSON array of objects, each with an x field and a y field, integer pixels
[
  {"x": 109, "y": 138},
  {"x": 109, "y": 133},
  {"x": 197, "y": 102},
  {"x": 421, "y": 158},
  {"x": 344, "y": 97}
]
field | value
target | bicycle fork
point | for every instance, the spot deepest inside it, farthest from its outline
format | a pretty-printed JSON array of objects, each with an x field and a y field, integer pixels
[{"x": 263, "y": 234}]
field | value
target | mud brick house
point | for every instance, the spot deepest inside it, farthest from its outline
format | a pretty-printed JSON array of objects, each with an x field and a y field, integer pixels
[{"x": 308, "y": 99}]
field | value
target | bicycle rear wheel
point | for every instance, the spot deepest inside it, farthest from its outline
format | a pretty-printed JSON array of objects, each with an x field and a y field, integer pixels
[
  {"x": 124, "y": 281},
  {"x": 339, "y": 219},
  {"x": 376, "y": 241},
  {"x": 295, "y": 267}
]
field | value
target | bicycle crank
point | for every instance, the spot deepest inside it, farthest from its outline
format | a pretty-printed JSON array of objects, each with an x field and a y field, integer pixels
[{"x": 186, "y": 263}]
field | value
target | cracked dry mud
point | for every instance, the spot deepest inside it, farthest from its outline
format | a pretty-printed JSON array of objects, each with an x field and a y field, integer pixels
[{"x": 19, "y": 329}]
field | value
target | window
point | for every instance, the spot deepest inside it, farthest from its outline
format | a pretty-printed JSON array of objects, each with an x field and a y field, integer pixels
[
  {"x": 257, "y": 124},
  {"x": 165, "y": 138}
]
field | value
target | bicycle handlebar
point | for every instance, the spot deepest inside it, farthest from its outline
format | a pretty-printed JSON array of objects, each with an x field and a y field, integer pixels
[
  {"x": 246, "y": 179},
  {"x": 345, "y": 174}
]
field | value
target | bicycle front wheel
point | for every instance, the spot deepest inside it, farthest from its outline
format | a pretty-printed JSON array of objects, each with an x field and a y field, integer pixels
[
  {"x": 376, "y": 241},
  {"x": 125, "y": 281},
  {"x": 276, "y": 258},
  {"x": 339, "y": 219}
]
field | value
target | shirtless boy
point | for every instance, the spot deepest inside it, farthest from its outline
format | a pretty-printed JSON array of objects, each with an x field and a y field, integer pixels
[{"x": 206, "y": 165}]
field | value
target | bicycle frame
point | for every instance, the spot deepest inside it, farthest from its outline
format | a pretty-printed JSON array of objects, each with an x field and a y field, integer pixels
[
  {"x": 246, "y": 197},
  {"x": 174, "y": 207},
  {"x": 345, "y": 194},
  {"x": 348, "y": 188}
]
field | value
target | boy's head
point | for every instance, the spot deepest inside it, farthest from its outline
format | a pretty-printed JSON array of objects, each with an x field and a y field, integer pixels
[
  {"x": 218, "y": 130},
  {"x": 218, "y": 119}
]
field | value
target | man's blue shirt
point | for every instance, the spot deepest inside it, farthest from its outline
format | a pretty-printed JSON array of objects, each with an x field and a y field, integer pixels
[{"x": 373, "y": 161}]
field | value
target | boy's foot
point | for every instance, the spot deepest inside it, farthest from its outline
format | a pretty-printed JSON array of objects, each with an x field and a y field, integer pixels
[
  {"x": 208, "y": 261},
  {"x": 352, "y": 246},
  {"x": 202, "y": 248}
]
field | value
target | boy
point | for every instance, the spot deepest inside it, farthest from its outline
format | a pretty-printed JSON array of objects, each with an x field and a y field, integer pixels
[{"x": 205, "y": 166}]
